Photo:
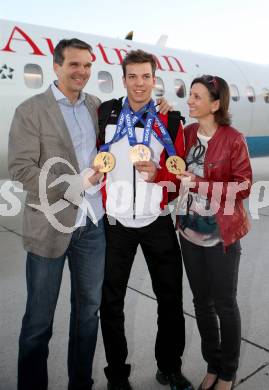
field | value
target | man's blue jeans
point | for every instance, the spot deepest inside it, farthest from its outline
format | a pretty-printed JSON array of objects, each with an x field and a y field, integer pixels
[{"x": 86, "y": 254}]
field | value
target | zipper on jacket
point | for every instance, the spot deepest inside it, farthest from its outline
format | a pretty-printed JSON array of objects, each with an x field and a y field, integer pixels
[{"x": 134, "y": 191}]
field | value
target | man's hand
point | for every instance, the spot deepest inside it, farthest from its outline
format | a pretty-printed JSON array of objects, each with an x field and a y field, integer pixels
[
  {"x": 147, "y": 169},
  {"x": 91, "y": 177},
  {"x": 164, "y": 106}
]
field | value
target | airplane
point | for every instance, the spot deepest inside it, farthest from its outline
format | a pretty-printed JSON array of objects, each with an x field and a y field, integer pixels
[{"x": 26, "y": 69}]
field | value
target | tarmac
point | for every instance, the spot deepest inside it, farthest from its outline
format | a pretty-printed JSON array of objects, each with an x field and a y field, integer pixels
[{"x": 140, "y": 310}]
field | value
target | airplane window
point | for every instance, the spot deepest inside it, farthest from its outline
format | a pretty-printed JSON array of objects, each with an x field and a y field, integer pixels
[
  {"x": 250, "y": 94},
  {"x": 33, "y": 76},
  {"x": 159, "y": 87},
  {"x": 180, "y": 88},
  {"x": 265, "y": 93},
  {"x": 234, "y": 93},
  {"x": 105, "y": 82}
]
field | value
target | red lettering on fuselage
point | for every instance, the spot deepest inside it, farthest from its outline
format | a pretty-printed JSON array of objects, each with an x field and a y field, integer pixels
[
  {"x": 164, "y": 62},
  {"x": 36, "y": 50},
  {"x": 167, "y": 60},
  {"x": 102, "y": 50},
  {"x": 118, "y": 52},
  {"x": 159, "y": 66},
  {"x": 50, "y": 45}
]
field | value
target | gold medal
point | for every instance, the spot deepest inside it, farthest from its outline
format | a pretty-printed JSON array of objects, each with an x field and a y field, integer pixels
[
  {"x": 105, "y": 160},
  {"x": 175, "y": 165},
  {"x": 139, "y": 152}
]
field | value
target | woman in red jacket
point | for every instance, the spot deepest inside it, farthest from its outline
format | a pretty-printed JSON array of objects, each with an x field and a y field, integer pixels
[{"x": 212, "y": 220}]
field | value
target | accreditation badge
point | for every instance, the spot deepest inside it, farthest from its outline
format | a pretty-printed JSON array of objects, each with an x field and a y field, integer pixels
[
  {"x": 175, "y": 165},
  {"x": 105, "y": 160},
  {"x": 139, "y": 152}
]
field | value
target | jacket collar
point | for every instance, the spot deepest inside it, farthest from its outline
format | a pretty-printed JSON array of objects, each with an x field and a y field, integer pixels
[{"x": 194, "y": 132}]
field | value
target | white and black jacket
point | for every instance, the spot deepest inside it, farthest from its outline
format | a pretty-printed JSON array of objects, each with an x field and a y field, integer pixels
[{"x": 126, "y": 195}]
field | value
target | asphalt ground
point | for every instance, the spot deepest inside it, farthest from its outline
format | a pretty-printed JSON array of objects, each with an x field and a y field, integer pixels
[{"x": 140, "y": 309}]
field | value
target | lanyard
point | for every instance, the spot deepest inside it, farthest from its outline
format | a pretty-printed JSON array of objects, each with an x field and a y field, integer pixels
[
  {"x": 126, "y": 125},
  {"x": 122, "y": 129},
  {"x": 130, "y": 126}
]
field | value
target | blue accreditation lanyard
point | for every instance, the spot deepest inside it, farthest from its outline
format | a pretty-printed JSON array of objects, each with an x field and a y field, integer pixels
[
  {"x": 165, "y": 140},
  {"x": 126, "y": 125},
  {"x": 131, "y": 118},
  {"x": 122, "y": 128}
]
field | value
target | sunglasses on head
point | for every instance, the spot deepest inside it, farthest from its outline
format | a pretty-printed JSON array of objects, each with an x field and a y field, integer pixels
[{"x": 210, "y": 79}]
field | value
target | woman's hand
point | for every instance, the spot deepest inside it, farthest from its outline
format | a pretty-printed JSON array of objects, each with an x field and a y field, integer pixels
[
  {"x": 187, "y": 176},
  {"x": 164, "y": 106}
]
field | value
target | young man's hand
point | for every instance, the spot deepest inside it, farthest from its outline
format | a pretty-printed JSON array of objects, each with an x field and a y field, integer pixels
[{"x": 147, "y": 169}]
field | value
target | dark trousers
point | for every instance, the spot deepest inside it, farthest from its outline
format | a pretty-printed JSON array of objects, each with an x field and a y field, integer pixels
[
  {"x": 162, "y": 253},
  {"x": 213, "y": 276},
  {"x": 86, "y": 259}
]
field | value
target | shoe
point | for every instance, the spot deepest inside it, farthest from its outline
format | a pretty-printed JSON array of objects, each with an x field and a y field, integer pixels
[
  {"x": 208, "y": 388},
  {"x": 119, "y": 386},
  {"x": 177, "y": 381}
]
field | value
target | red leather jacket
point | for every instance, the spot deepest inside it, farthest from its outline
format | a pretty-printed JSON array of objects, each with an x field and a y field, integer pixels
[{"x": 226, "y": 166}]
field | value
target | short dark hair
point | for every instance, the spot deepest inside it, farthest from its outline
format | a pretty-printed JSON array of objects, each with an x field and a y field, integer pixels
[
  {"x": 218, "y": 90},
  {"x": 58, "y": 55},
  {"x": 138, "y": 57}
]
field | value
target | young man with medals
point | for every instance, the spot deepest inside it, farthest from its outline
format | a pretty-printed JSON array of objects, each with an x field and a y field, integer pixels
[{"x": 140, "y": 154}]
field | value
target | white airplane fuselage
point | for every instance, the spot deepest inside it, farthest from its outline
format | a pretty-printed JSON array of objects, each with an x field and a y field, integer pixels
[{"x": 24, "y": 46}]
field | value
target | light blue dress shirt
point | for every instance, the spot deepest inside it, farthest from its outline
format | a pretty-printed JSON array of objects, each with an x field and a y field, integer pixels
[{"x": 80, "y": 125}]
